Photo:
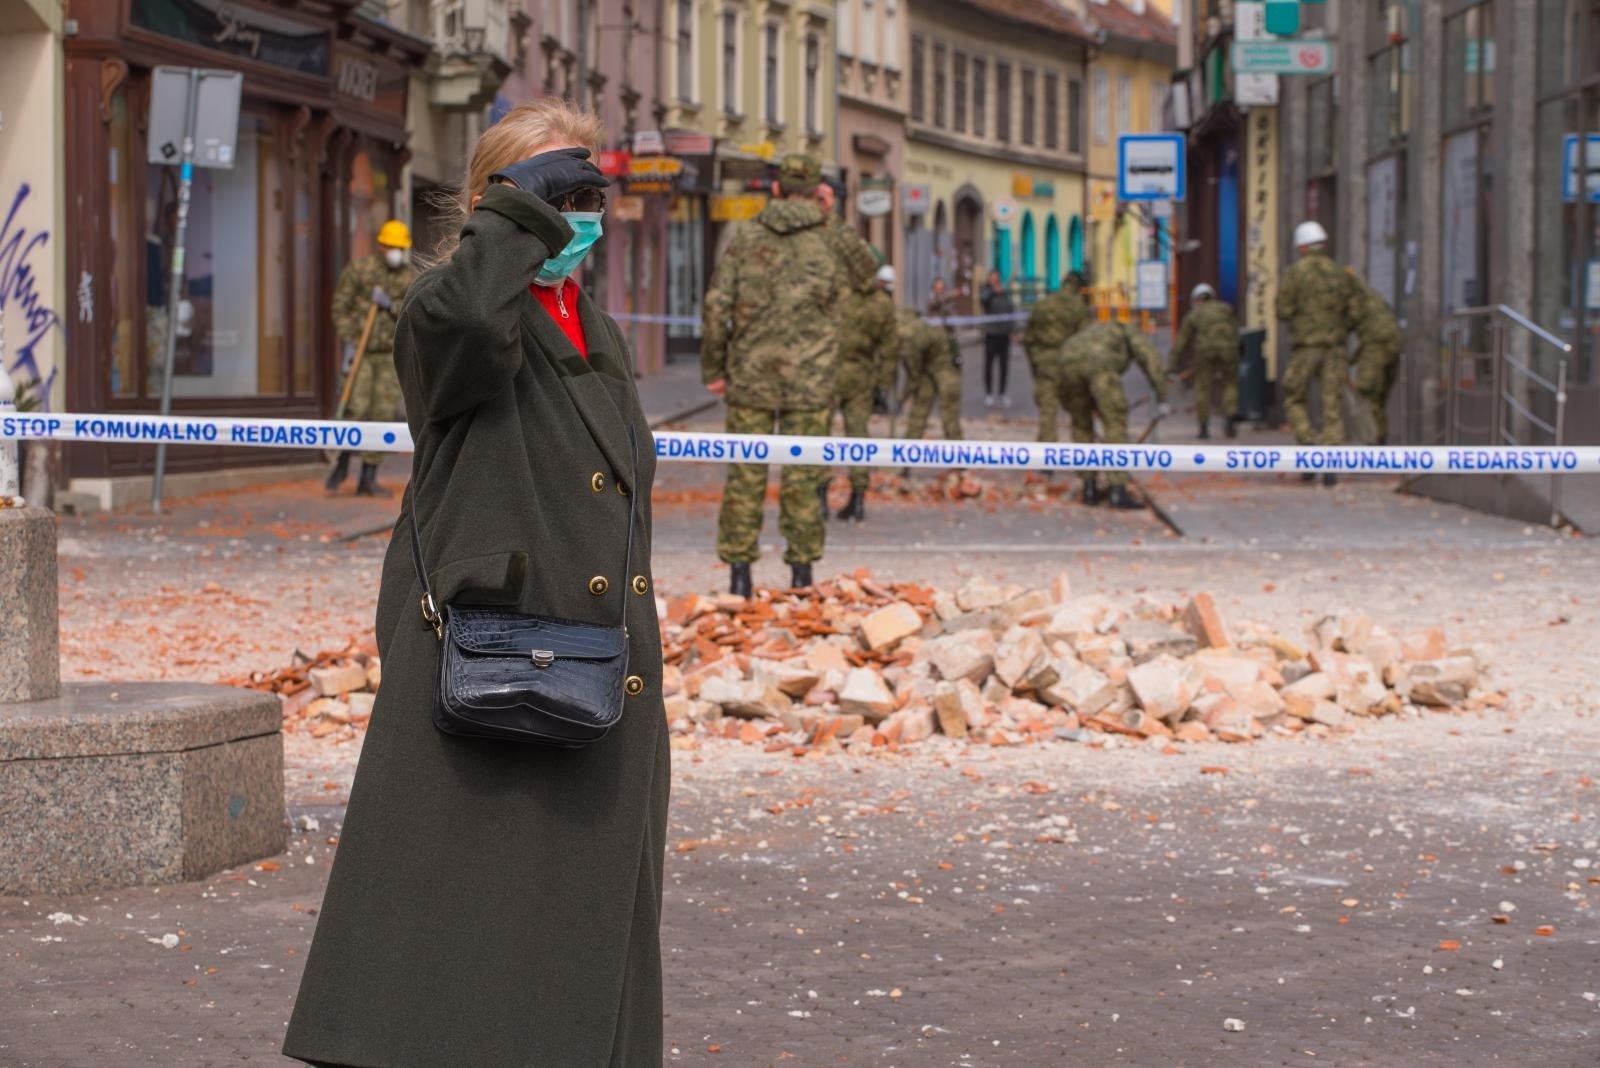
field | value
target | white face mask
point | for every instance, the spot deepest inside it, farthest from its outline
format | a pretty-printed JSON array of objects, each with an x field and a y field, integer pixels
[{"x": 395, "y": 257}]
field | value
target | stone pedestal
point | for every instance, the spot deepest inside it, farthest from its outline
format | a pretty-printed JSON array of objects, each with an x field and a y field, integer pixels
[
  {"x": 132, "y": 783},
  {"x": 30, "y": 664}
]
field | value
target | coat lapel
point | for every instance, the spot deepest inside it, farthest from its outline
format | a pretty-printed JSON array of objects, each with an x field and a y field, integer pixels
[{"x": 584, "y": 380}]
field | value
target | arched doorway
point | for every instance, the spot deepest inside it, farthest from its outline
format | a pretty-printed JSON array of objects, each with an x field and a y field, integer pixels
[
  {"x": 1052, "y": 254},
  {"x": 941, "y": 242},
  {"x": 1075, "y": 244},
  {"x": 1030, "y": 259},
  {"x": 968, "y": 234}
]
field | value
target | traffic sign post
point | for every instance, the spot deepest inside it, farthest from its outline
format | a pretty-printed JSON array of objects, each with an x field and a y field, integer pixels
[
  {"x": 1589, "y": 167},
  {"x": 1151, "y": 167}
]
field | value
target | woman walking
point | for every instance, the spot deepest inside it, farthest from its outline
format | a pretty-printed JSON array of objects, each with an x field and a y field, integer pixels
[
  {"x": 996, "y": 342},
  {"x": 496, "y": 902}
]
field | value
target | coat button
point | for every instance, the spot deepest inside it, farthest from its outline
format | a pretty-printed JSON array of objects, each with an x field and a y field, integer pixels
[
  {"x": 641, "y": 585},
  {"x": 634, "y": 686},
  {"x": 598, "y": 585},
  {"x": 597, "y": 481}
]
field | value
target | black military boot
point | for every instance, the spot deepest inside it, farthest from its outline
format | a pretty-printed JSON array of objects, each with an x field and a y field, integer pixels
[
  {"x": 800, "y": 577},
  {"x": 368, "y": 485},
  {"x": 822, "y": 495},
  {"x": 1231, "y": 427},
  {"x": 1330, "y": 479},
  {"x": 1091, "y": 491},
  {"x": 739, "y": 580},
  {"x": 856, "y": 508},
  {"x": 1119, "y": 497},
  {"x": 1308, "y": 477},
  {"x": 1205, "y": 432},
  {"x": 341, "y": 470}
]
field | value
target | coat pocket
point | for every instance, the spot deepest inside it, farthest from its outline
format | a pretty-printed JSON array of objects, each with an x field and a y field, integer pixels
[{"x": 490, "y": 579}]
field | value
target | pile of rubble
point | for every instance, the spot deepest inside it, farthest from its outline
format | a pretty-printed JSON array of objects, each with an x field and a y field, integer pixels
[
  {"x": 329, "y": 695},
  {"x": 857, "y": 664}
]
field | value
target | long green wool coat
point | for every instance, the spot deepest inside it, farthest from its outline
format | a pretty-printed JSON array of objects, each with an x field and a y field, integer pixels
[{"x": 496, "y": 903}]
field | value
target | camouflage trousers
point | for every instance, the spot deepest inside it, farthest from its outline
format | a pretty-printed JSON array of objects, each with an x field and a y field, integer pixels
[
  {"x": 1215, "y": 365},
  {"x": 1088, "y": 391},
  {"x": 1376, "y": 368},
  {"x": 942, "y": 380},
  {"x": 857, "y": 412},
  {"x": 1326, "y": 366},
  {"x": 375, "y": 396},
  {"x": 1046, "y": 388},
  {"x": 745, "y": 495}
]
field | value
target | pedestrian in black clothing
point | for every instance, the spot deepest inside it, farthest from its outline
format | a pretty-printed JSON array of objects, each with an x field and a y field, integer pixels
[{"x": 996, "y": 342}]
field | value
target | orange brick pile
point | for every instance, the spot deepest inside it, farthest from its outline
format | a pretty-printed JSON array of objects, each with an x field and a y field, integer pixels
[{"x": 329, "y": 695}]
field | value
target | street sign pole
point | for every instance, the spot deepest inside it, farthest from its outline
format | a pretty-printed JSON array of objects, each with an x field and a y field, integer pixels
[{"x": 169, "y": 346}]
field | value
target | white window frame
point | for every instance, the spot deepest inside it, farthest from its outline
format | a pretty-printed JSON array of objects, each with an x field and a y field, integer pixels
[
  {"x": 772, "y": 90},
  {"x": 730, "y": 90},
  {"x": 1125, "y": 104},
  {"x": 1100, "y": 105},
  {"x": 890, "y": 52},
  {"x": 685, "y": 77},
  {"x": 811, "y": 83},
  {"x": 869, "y": 32},
  {"x": 844, "y": 17}
]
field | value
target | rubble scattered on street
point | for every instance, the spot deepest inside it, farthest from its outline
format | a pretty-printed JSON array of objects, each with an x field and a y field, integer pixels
[{"x": 856, "y": 665}]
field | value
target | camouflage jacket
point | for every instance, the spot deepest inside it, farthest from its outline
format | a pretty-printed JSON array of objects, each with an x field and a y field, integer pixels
[
  {"x": 1315, "y": 296},
  {"x": 1110, "y": 348},
  {"x": 949, "y": 304},
  {"x": 868, "y": 341},
  {"x": 921, "y": 343},
  {"x": 353, "y": 296},
  {"x": 1374, "y": 320},
  {"x": 1211, "y": 328},
  {"x": 771, "y": 312},
  {"x": 1053, "y": 320},
  {"x": 854, "y": 255}
]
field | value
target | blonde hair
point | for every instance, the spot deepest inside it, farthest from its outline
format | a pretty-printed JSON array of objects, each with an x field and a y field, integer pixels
[{"x": 526, "y": 129}]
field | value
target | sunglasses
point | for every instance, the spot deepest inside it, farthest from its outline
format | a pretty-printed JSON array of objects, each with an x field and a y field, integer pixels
[{"x": 580, "y": 200}]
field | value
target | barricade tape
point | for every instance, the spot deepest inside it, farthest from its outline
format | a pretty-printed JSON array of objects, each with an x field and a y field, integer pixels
[
  {"x": 785, "y": 450},
  {"x": 651, "y": 319}
]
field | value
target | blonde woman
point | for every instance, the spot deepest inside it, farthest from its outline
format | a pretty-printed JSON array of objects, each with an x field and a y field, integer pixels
[{"x": 495, "y": 903}]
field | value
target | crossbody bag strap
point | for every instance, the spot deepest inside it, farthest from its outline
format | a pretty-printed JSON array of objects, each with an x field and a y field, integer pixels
[{"x": 430, "y": 608}]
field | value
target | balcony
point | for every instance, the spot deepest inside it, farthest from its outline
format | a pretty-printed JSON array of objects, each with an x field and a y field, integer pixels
[{"x": 476, "y": 43}]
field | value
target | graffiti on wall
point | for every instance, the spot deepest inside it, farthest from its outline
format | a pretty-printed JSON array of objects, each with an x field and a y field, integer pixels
[{"x": 29, "y": 319}]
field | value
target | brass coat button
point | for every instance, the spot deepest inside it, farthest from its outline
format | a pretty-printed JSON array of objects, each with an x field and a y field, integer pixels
[
  {"x": 597, "y": 481},
  {"x": 598, "y": 585},
  {"x": 622, "y": 489},
  {"x": 641, "y": 585},
  {"x": 634, "y": 686}
]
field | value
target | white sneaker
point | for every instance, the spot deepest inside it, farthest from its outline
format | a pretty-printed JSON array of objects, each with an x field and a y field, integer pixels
[
  {"x": 988, "y": 401},
  {"x": 1005, "y": 400}
]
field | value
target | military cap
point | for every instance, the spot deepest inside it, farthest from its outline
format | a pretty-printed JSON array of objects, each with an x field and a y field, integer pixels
[{"x": 799, "y": 173}]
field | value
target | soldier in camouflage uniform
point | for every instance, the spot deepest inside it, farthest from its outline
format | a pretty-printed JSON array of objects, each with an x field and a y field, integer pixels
[
  {"x": 1377, "y": 361},
  {"x": 770, "y": 347},
  {"x": 1090, "y": 368},
  {"x": 1315, "y": 296},
  {"x": 931, "y": 372},
  {"x": 382, "y": 280},
  {"x": 1053, "y": 320},
  {"x": 868, "y": 344},
  {"x": 942, "y": 303},
  {"x": 1211, "y": 328}
]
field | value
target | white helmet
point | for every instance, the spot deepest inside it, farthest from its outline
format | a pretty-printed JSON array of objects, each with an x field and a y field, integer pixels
[
  {"x": 1201, "y": 292},
  {"x": 1308, "y": 234},
  {"x": 886, "y": 276}
]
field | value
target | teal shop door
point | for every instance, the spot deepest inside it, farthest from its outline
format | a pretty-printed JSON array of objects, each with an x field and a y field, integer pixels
[
  {"x": 1002, "y": 253},
  {"x": 1052, "y": 254},
  {"x": 1075, "y": 243},
  {"x": 1030, "y": 262}
]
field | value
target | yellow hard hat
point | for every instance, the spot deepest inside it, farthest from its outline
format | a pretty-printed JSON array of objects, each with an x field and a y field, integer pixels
[{"x": 395, "y": 234}]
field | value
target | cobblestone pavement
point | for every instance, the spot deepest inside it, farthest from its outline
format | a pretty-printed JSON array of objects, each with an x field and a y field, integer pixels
[{"x": 952, "y": 905}]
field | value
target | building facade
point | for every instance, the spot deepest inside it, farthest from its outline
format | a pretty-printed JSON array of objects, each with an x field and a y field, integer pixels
[
  {"x": 872, "y": 40},
  {"x": 1130, "y": 76},
  {"x": 317, "y": 168},
  {"x": 995, "y": 144}
]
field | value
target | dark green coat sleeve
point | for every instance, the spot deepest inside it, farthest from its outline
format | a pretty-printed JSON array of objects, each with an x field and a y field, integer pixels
[{"x": 458, "y": 340}]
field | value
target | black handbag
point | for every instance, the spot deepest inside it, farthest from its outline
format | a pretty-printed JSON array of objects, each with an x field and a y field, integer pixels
[{"x": 525, "y": 678}]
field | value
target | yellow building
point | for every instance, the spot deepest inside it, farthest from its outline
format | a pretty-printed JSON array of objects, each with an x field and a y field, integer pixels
[
  {"x": 995, "y": 146},
  {"x": 1129, "y": 80}
]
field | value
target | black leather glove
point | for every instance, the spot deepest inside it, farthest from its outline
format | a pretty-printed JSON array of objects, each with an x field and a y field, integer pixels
[
  {"x": 552, "y": 175},
  {"x": 880, "y": 402}
]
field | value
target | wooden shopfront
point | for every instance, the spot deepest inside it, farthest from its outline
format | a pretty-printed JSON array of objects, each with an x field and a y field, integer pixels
[{"x": 317, "y": 169}]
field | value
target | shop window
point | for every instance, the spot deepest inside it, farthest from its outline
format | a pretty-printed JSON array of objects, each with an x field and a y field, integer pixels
[
  {"x": 1052, "y": 111},
  {"x": 958, "y": 77},
  {"x": 1002, "y": 101},
  {"x": 126, "y": 242},
  {"x": 938, "y": 84},
  {"x": 980, "y": 96},
  {"x": 1029, "y": 105},
  {"x": 1469, "y": 65},
  {"x": 1468, "y": 191},
  {"x": 918, "y": 107}
]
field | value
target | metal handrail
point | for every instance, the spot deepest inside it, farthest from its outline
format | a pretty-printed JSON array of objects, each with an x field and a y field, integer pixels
[{"x": 1517, "y": 317}]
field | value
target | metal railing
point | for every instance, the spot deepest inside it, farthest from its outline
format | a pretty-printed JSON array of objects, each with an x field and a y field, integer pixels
[{"x": 1492, "y": 396}]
